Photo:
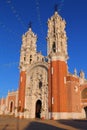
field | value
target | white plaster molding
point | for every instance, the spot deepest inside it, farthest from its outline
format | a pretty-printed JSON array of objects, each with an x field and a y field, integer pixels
[
  {"x": 60, "y": 58},
  {"x": 66, "y": 115}
]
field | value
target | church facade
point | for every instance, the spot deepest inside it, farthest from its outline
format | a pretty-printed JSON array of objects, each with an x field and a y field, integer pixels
[{"x": 46, "y": 88}]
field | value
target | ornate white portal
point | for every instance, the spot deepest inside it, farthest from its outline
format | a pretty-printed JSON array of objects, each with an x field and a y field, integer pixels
[{"x": 36, "y": 89}]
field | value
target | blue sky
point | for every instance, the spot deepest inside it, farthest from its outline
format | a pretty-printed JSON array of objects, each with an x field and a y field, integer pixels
[{"x": 15, "y": 16}]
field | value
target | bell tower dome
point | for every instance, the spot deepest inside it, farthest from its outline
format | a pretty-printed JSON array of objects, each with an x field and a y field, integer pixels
[{"x": 57, "y": 53}]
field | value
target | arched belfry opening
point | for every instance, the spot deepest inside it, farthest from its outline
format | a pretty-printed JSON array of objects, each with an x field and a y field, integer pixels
[
  {"x": 54, "y": 47},
  {"x": 11, "y": 106},
  {"x": 85, "y": 108},
  {"x": 40, "y": 84},
  {"x": 38, "y": 109}
]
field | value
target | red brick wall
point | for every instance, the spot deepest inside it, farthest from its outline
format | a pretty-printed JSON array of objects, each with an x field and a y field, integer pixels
[
  {"x": 73, "y": 96},
  {"x": 49, "y": 89},
  {"x": 58, "y": 86},
  {"x": 21, "y": 97}
]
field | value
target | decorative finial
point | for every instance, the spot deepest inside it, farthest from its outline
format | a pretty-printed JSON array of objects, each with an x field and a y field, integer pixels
[
  {"x": 75, "y": 71},
  {"x": 82, "y": 74},
  {"x": 56, "y": 7}
]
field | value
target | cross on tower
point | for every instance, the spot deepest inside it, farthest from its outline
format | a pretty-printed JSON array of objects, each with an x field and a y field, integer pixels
[
  {"x": 30, "y": 24},
  {"x": 56, "y": 7}
]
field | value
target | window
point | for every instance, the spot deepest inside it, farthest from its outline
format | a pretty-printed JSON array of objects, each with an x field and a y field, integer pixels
[
  {"x": 40, "y": 84},
  {"x": 30, "y": 58},
  {"x": 54, "y": 47},
  {"x": 24, "y": 58},
  {"x": 54, "y": 26},
  {"x": 84, "y": 94}
]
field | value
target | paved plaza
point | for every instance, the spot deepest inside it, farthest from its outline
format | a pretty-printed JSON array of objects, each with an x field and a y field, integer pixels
[{"x": 11, "y": 123}]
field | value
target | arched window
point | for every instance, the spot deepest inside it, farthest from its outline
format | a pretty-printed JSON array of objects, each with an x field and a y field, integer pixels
[
  {"x": 54, "y": 26},
  {"x": 24, "y": 58},
  {"x": 40, "y": 84},
  {"x": 30, "y": 58},
  {"x": 84, "y": 93},
  {"x": 54, "y": 47}
]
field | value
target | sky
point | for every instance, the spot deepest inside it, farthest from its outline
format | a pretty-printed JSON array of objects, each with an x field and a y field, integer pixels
[{"x": 15, "y": 16}]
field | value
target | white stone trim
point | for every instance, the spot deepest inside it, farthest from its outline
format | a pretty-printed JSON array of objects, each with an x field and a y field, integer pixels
[
  {"x": 61, "y": 58},
  {"x": 66, "y": 115},
  {"x": 21, "y": 114},
  {"x": 64, "y": 80},
  {"x": 21, "y": 78},
  {"x": 26, "y": 116}
]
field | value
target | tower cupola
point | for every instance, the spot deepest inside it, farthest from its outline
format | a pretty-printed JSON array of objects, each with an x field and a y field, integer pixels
[
  {"x": 28, "y": 48},
  {"x": 56, "y": 37}
]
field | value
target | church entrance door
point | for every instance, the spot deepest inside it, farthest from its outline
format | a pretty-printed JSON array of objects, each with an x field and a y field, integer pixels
[
  {"x": 38, "y": 109},
  {"x": 85, "y": 108},
  {"x": 11, "y": 106}
]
